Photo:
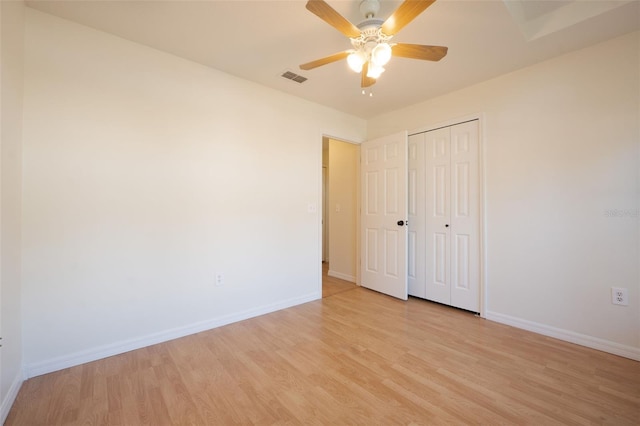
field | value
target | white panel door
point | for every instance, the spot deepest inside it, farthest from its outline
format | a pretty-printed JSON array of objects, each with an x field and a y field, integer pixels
[
  {"x": 452, "y": 216},
  {"x": 465, "y": 199},
  {"x": 416, "y": 211},
  {"x": 438, "y": 201},
  {"x": 384, "y": 215}
]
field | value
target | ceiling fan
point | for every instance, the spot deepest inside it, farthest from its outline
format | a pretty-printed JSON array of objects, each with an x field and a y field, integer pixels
[{"x": 370, "y": 38}]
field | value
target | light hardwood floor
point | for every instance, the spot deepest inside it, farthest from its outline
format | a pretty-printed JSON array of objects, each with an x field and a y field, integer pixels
[
  {"x": 333, "y": 285},
  {"x": 357, "y": 357}
]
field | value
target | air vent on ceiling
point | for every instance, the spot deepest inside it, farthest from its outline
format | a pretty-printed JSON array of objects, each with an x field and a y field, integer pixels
[{"x": 294, "y": 77}]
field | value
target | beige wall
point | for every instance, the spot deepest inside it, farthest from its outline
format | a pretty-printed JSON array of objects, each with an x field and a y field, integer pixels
[
  {"x": 344, "y": 159},
  {"x": 562, "y": 141},
  {"x": 145, "y": 175},
  {"x": 11, "y": 80}
]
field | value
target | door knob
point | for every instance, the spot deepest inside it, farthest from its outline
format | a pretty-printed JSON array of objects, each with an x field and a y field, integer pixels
[
  {"x": 447, "y": 225},
  {"x": 401, "y": 223}
]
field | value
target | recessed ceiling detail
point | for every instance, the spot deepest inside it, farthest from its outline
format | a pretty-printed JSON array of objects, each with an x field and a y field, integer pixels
[{"x": 540, "y": 18}]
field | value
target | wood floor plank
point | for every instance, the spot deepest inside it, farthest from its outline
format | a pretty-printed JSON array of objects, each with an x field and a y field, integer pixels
[
  {"x": 333, "y": 285},
  {"x": 355, "y": 357}
]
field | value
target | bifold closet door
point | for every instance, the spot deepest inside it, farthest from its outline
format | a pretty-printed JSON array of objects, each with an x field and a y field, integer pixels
[
  {"x": 465, "y": 217},
  {"x": 438, "y": 226},
  {"x": 416, "y": 235},
  {"x": 452, "y": 216}
]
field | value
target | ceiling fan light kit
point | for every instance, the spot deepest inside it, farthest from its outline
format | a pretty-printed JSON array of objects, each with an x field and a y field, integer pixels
[{"x": 370, "y": 39}]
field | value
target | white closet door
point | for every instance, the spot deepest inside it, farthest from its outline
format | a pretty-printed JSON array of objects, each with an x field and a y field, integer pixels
[
  {"x": 464, "y": 223},
  {"x": 415, "y": 237},
  {"x": 452, "y": 249},
  {"x": 438, "y": 226},
  {"x": 384, "y": 213}
]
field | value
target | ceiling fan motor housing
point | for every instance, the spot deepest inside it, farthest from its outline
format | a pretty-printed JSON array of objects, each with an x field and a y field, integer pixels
[
  {"x": 370, "y": 36},
  {"x": 371, "y": 23}
]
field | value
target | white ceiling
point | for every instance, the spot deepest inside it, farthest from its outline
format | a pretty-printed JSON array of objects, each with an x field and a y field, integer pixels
[{"x": 259, "y": 40}]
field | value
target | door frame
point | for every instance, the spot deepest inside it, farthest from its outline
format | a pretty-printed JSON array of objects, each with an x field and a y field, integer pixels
[
  {"x": 482, "y": 193},
  {"x": 326, "y": 135}
]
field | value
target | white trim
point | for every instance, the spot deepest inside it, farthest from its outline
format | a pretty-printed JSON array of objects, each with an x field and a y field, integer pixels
[
  {"x": 105, "y": 351},
  {"x": 10, "y": 397},
  {"x": 448, "y": 123},
  {"x": 342, "y": 276},
  {"x": 568, "y": 336},
  {"x": 483, "y": 213},
  {"x": 320, "y": 216}
]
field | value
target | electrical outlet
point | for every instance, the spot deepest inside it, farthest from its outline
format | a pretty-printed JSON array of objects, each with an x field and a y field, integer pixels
[
  {"x": 619, "y": 296},
  {"x": 219, "y": 280}
]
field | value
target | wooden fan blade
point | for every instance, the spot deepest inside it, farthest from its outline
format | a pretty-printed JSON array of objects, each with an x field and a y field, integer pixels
[
  {"x": 329, "y": 15},
  {"x": 404, "y": 14},
  {"x": 366, "y": 81},
  {"x": 419, "y": 51},
  {"x": 324, "y": 61}
]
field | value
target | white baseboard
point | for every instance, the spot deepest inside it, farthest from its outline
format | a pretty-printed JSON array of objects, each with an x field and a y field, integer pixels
[
  {"x": 568, "y": 336},
  {"x": 342, "y": 276},
  {"x": 10, "y": 397},
  {"x": 93, "y": 354}
]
